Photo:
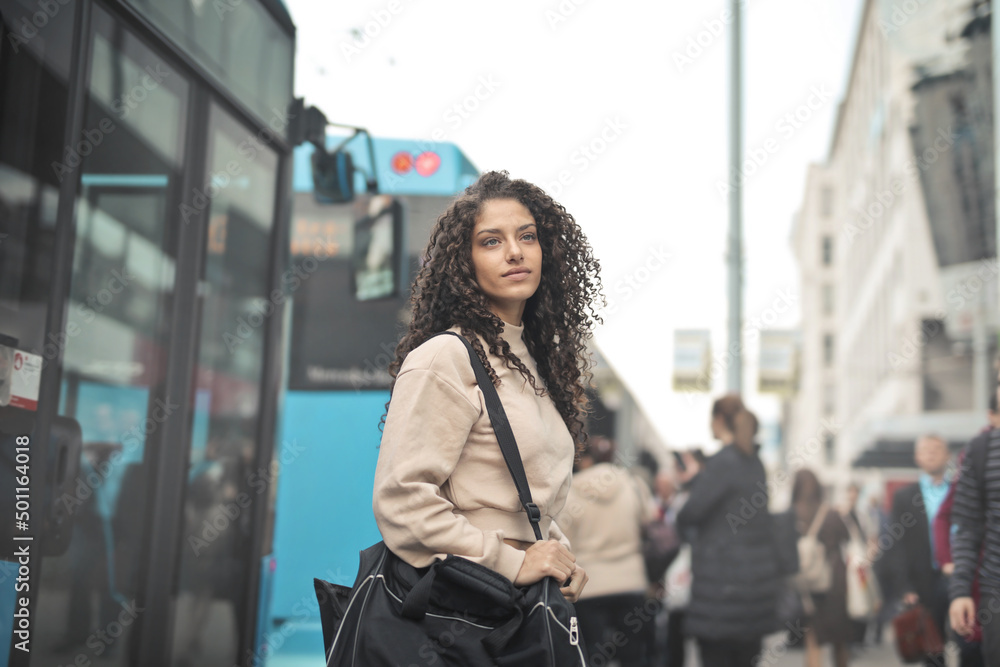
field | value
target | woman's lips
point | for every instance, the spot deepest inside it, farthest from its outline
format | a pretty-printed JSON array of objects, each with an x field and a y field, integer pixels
[{"x": 520, "y": 275}]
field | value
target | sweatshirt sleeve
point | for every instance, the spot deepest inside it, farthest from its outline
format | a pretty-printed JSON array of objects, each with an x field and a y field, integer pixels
[
  {"x": 426, "y": 428},
  {"x": 969, "y": 519},
  {"x": 555, "y": 533}
]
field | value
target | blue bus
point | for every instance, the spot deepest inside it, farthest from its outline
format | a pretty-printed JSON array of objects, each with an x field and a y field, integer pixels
[{"x": 350, "y": 300}]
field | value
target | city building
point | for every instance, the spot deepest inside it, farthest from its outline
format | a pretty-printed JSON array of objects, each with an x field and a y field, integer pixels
[{"x": 896, "y": 245}]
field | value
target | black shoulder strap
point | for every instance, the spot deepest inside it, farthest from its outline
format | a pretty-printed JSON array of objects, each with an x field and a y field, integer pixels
[{"x": 501, "y": 426}]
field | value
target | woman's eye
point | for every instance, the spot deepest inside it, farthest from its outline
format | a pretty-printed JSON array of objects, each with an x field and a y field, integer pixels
[
  {"x": 490, "y": 242},
  {"x": 530, "y": 236}
]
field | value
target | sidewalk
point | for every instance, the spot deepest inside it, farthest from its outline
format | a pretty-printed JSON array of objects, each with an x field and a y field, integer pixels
[
  {"x": 869, "y": 656},
  {"x": 776, "y": 654}
]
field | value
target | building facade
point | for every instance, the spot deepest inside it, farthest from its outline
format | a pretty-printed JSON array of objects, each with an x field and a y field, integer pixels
[{"x": 896, "y": 246}]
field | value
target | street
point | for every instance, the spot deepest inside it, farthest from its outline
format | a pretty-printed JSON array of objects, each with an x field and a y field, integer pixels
[{"x": 870, "y": 656}]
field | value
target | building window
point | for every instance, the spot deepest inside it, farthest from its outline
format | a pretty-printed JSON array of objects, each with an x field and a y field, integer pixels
[
  {"x": 828, "y": 299},
  {"x": 829, "y": 392},
  {"x": 827, "y": 349},
  {"x": 827, "y": 250},
  {"x": 826, "y": 202}
]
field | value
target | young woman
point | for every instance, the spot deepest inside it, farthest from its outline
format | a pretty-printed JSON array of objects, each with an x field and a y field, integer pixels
[
  {"x": 829, "y": 623},
  {"x": 734, "y": 570},
  {"x": 510, "y": 270}
]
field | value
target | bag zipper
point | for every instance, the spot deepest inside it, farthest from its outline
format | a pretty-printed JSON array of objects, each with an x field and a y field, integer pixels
[{"x": 574, "y": 632}]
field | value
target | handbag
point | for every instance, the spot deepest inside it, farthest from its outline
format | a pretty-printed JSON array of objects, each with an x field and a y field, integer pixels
[
  {"x": 660, "y": 542},
  {"x": 917, "y": 636},
  {"x": 815, "y": 572},
  {"x": 785, "y": 540},
  {"x": 678, "y": 582},
  {"x": 660, "y": 545},
  {"x": 863, "y": 594},
  {"x": 454, "y": 612}
]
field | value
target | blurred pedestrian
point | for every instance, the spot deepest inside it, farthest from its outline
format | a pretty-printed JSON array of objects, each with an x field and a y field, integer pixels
[
  {"x": 441, "y": 483},
  {"x": 735, "y": 572},
  {"x": 975, "y": 541},
  {"x": 919, "y": 575},
  {"x": 881, "y": 564},
  {"x": 970, "y": 650},
  {"x": 826, "y": 620},
  {"x": 603, "y": 518},
  {"x": 668, "y": 503},
  {"x": 859, "y": 528}
]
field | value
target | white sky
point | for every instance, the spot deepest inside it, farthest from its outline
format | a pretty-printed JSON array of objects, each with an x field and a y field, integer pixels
[{"x": 558, "y": 85}]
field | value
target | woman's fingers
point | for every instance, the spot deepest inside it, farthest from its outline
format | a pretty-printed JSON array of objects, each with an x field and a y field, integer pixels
[
  {"x": 571, "y": 591},
  {"x": 548, "y": 558}
]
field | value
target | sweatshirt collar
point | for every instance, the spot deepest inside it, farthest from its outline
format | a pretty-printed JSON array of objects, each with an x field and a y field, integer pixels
[{"x": 514, "y": 336}]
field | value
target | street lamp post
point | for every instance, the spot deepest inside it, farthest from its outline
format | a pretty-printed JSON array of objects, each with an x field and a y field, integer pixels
[{"x": 734, "y": 379}]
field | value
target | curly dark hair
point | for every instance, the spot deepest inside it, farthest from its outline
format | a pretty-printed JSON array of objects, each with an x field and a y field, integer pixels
[{"x": 558, "y": 319}]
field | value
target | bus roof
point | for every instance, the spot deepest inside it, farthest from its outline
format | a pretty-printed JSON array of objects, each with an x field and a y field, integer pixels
[{"x": 404, "y": 166}]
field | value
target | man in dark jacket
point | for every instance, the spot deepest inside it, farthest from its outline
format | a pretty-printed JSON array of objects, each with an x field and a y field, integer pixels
[
  {"x": 914, "y": 507},
  {"x": 975, "y": 541}
]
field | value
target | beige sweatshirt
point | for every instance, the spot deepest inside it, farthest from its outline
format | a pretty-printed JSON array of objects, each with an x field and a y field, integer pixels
[
  {"x": 441, "y": 484},
  {"x": 603, "y": 516}
]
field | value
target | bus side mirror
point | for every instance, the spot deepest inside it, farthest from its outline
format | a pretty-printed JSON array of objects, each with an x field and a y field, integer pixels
[{"x": 333, "y": 176}]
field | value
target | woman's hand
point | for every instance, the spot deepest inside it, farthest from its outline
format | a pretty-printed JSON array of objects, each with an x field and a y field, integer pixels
[
  {"x": 549, "y": 558},
  {"x": 572, "y": 588}
]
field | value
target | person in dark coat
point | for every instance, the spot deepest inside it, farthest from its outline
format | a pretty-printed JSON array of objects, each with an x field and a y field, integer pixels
[
  {"x": 735, "y": 576},
  {"x": 829, "y": 622},
  {"x": 919, "y": 576}
]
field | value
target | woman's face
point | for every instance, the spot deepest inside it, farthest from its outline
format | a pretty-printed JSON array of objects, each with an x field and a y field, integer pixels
[{"x": 506, "y": 256}]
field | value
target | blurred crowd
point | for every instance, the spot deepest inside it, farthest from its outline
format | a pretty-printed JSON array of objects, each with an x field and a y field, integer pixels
[{"x": 692, "y": 555}]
